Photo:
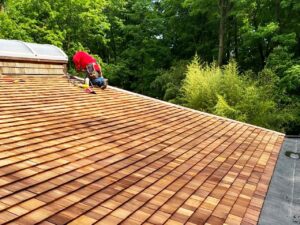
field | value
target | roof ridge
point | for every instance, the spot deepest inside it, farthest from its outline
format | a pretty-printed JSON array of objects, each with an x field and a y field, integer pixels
[{"x": 193, "y": 110}]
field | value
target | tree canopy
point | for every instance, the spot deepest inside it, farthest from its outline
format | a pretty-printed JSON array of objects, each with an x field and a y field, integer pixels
[{"x": 249, "y": 50}]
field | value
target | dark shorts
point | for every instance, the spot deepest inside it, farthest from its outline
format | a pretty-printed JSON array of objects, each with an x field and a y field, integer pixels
[{"x": 98, "y": 81}]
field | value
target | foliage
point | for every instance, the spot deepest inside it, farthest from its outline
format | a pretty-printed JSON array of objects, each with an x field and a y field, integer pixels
[
  {"x": 67, "y": 23},
  {"x": 280, "y": 60},
  {"x": 144, "y": 46},
  {"x": 169, "y": 82},
  {"x": 224, "y": 92},
  {"x": 291, "y": 81}
]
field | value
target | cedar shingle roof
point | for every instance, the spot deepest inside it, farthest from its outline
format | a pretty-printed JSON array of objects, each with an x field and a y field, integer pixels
[{"x": 115, "y": 157}]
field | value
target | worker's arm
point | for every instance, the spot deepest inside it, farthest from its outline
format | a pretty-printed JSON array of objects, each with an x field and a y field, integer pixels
[{"x": 99, "y": 70}]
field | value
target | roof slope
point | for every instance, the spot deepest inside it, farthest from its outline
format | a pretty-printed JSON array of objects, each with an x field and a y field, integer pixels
[{"x": 71, "y": 157}]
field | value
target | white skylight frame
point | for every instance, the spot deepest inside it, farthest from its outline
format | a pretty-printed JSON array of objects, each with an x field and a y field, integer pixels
[{"x": 22, "y": 50}]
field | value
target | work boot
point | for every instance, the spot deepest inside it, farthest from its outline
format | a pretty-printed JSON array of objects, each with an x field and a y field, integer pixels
[{"x": 105, "y": 84}]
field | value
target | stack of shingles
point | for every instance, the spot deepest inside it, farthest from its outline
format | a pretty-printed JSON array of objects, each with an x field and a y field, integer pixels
[{"x": 114, "y": 157}]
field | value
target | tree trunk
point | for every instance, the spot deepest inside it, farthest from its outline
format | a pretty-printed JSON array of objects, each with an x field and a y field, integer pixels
[
  {"x": 277, "y": 10},
  {"x": 262, "y": 55},
  {"x": 113, "y": 44},
  {"x": 298, "y": 48},
  {"x": 236, "y": 42},
  {"x": 1, "y": 6},
  {"x": 223, "y": 9}
]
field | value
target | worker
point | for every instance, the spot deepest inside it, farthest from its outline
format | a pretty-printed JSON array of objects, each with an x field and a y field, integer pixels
[{"x": 86, "y": 63}]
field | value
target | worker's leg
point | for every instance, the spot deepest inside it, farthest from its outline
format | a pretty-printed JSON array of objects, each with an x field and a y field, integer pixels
[
  {"x": 87, "y": 81},
  {"x": 105, "y": 84}
]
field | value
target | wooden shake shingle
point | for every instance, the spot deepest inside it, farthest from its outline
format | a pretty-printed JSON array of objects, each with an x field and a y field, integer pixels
[{"x": 68, "y": 157}]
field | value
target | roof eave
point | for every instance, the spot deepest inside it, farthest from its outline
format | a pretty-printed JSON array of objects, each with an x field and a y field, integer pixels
[{"x": 38, "y": 60}]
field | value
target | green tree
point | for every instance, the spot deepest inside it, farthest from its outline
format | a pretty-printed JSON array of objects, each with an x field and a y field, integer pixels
[
  {"x": 220, "y": 10},
  {"x": 142, "y": 51},
  {"x": 144, "y": 45},
  {"x": 66, "y": 23},
  {"x": 167, "y": 85},
  {"x": 224, "y": 92},
  {"x": 2, "y": 2}
]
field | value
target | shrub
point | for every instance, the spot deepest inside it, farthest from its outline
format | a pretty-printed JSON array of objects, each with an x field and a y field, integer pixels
[
  {"x": 167, "y": 84},
  {"x": 225, "y": 92}
]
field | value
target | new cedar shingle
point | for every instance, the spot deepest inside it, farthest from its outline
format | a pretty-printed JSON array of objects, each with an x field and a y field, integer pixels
[{"x": 115, "y": 157}]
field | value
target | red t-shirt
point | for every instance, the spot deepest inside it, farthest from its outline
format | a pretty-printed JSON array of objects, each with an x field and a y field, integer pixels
[{"x": 82, "y": 59}]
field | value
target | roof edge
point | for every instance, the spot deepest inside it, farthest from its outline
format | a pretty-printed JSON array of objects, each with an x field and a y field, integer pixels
[
  {"x": 23, "y": 59},
  {"x": 189, "y": 109}
]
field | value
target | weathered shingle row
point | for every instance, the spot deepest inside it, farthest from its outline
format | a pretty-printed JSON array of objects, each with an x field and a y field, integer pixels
[{"x": 71, "y": 157}]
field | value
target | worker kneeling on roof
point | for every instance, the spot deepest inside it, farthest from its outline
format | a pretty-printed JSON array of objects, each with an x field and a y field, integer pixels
[{"x": 86, "y": 63}]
